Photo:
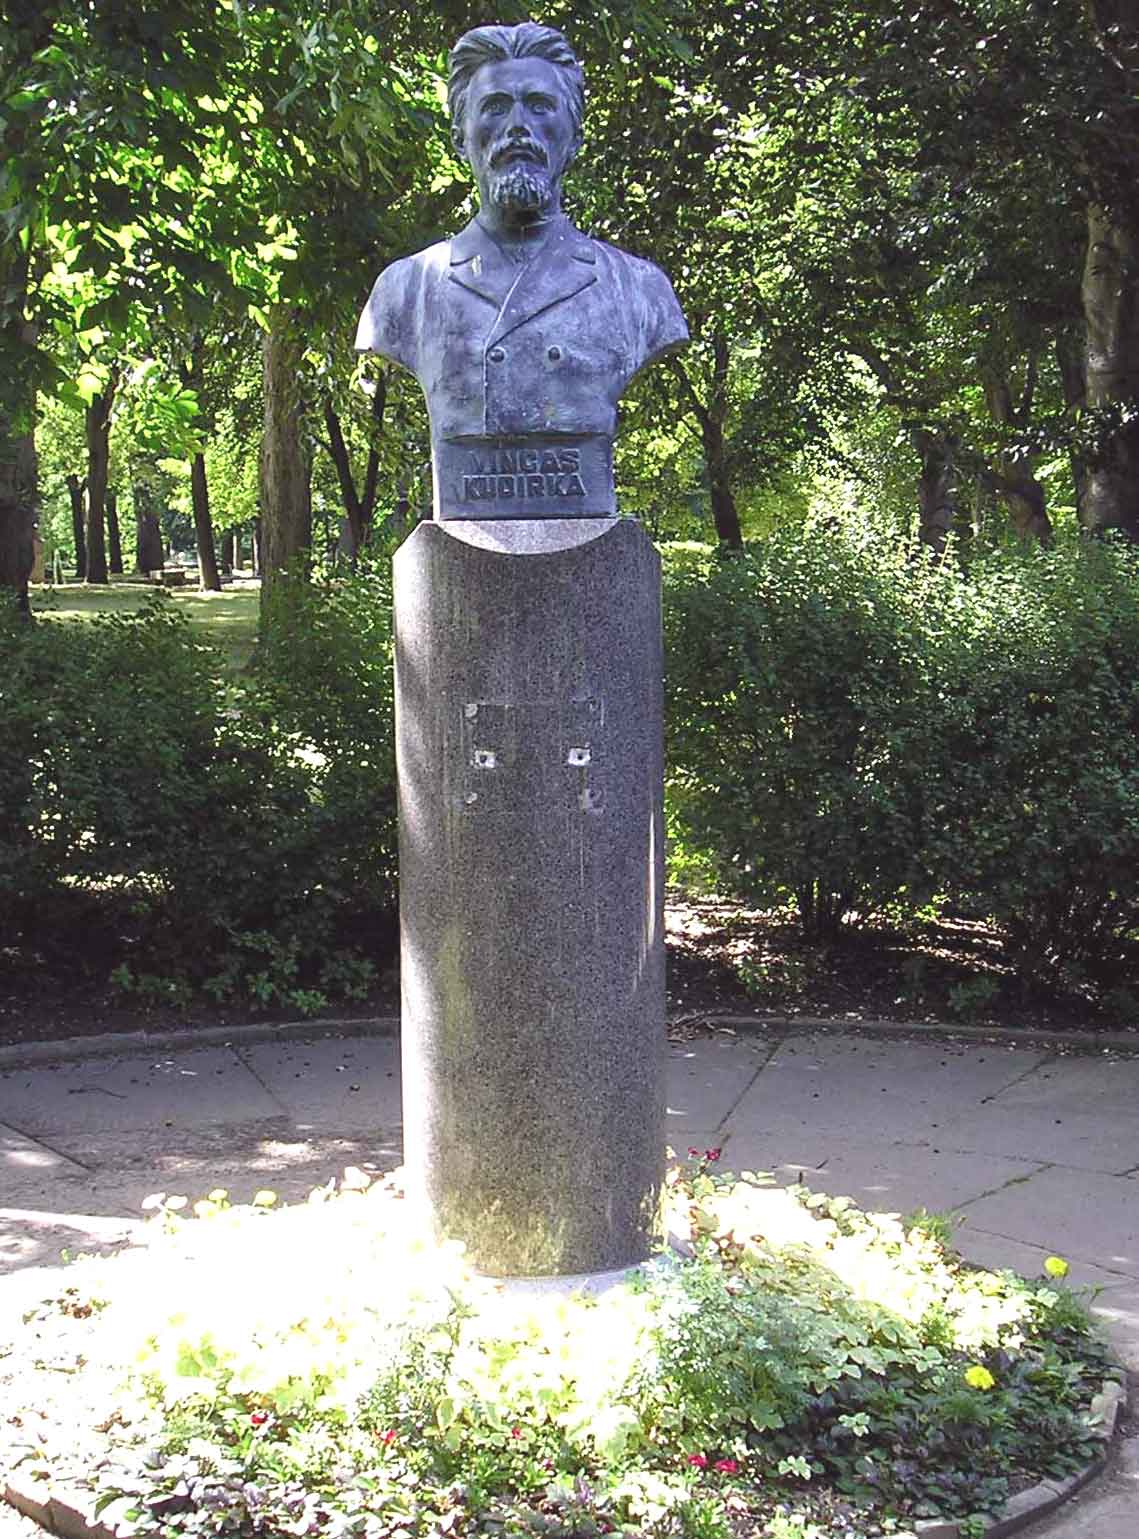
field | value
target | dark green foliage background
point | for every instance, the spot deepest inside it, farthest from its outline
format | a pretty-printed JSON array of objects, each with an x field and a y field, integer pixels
[{"x": 850, "y": 732}]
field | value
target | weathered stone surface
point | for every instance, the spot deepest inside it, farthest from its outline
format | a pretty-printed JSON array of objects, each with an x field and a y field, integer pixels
[
  {"x": 1107, "y": 1407},
  {"x": 33, "y": 1503},
  {"x": 1076, "y": 1482},
  {"x": 1020, "y": 1510},
  {"x": 531, "y": 872}
]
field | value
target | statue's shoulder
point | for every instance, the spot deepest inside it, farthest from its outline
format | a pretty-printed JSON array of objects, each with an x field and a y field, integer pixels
[
  {"x": 650, "y": 299},
  {"x": 430, "y": 259},
  {"x": 638, "y": 269},
  {"x": 389, "y": 324},
  {"x": 409, "y": 271}
]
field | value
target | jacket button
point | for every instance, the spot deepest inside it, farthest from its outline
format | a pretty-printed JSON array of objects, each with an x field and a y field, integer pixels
[
  {"x": 497, "y": 354},
  {"x": 555, "y": 353}
]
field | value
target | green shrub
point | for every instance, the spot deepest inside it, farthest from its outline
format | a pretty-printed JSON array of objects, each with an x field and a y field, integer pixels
[
  {"x": 850, "y": 731},
  {"x": 169, "y": 829},
  {"x": 108, "y": 732},
  {"x": 1035, "y": 737},
  {"x": 789, "y": 670},
  {"x": 804, "y": 1344},
  {"x": 324, "y": 680}
]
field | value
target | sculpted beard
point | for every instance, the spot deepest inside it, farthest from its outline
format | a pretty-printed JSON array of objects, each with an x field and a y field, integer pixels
[{"x": 522, "y": 189}]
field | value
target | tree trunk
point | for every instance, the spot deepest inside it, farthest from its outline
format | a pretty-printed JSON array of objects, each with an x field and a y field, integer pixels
[
  {"x": 255, "y": 547},
  {"x": 98, "y": 425},
  {"x": 151, "y": 557},
  {"x": 1013, "y": 474},
  {"x": 937, "y": 507},
  {"x": 286, "y": 468},
  {"x": 18, "y": 468},
  {"x": 1070, "y": 357},
  {"x": 75, "y": 489},
  {"x": 711, "y": 419},
  {"x": 359, "y": 509},
  {"x": 1111, "y": 314},
  {"x": 347, "y": 547},
  {"x": 1023, "y": 495},
  {"x": 17, "y": 518},
  {"x": 203, "y": 526},
  {"x": 402, "y": 506},
  {"x": 27, "y": 31},
  {"x": 725, "y": 515},
  {"x": 228, "y": 553},
  {"x": 208, "y": 579},
  {"x": 352, "y": 532},
  {"x": 114, "y": 537}
]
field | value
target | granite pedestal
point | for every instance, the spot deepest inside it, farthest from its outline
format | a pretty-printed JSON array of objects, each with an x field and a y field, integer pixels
[{"x": 528, "y": 711}]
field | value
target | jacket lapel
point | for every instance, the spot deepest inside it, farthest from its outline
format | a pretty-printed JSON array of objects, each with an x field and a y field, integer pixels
[
  {"x": 478, "y": 265},
  {"x": 566, "y": 264}
]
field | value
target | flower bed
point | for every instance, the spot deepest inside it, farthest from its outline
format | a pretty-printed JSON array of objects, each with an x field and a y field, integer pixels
[{"x": 807, "y": 1370}]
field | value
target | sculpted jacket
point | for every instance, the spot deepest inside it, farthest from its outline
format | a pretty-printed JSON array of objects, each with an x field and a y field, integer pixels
[{"x": 522, "y": 365}]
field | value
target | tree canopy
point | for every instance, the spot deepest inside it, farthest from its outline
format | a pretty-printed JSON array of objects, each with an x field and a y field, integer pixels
[{"x": 903, "y": 230}]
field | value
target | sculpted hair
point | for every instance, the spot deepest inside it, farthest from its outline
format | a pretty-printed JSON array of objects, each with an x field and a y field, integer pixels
[{"x": 485, "y": 45}]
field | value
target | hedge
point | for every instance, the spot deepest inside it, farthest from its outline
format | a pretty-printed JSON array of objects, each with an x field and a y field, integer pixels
[
  {"x": 851, "y": 730},
  {"x": 177, "y": 831}
]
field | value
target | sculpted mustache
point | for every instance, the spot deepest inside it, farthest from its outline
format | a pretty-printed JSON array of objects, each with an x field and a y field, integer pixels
[{"x": 528, "y": 145}]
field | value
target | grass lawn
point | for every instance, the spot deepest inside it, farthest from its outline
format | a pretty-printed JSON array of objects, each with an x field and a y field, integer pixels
[{"x": 228, "y": 619}]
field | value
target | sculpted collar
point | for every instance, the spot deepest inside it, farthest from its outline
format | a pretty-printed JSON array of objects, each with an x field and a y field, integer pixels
[
  {"x": 565, "y": 264},
  {"x": 563, "y": 239}
]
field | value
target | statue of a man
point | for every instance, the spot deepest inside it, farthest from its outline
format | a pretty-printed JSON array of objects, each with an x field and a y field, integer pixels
[{"x": 522, "y": 331}]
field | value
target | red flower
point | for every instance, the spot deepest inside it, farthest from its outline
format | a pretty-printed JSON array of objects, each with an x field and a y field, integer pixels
[
  {"x": 388, "y": 1437},
  {"x": 259, "y": 1418},
  {"x": 695, "y": 1153},
  {"x": 516, "y": 1432},
  {"x": 699, "y": 1460},
  {"x": 727, "y": 1466},
  {"x": 712, "y": 1155}
]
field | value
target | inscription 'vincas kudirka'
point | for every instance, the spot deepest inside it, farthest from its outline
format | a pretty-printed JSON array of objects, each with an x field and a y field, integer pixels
[{"x": 523, "y": 473}]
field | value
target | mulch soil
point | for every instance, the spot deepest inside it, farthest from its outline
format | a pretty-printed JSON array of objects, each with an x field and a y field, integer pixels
[{"x": 723, "y": 959}]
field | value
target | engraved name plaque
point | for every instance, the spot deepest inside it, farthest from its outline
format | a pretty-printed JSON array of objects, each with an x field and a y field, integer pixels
[{"x": 525, "y": 477}]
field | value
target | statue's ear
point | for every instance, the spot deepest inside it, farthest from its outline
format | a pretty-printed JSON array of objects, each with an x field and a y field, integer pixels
[{"x": 457, "y": 139}]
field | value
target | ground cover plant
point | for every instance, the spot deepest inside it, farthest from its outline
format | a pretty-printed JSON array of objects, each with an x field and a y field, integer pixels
[{"x": 807, "y": 1370}]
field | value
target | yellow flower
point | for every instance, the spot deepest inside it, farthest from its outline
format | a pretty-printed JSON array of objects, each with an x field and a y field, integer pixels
[
  {"x": 264, "y": 1198},
  {"x": 978, "y": 1377},
  {"x": 1056, "y": 1266}
]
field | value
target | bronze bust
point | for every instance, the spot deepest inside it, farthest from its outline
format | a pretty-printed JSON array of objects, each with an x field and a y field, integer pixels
[{"x": 523, "y": 332}]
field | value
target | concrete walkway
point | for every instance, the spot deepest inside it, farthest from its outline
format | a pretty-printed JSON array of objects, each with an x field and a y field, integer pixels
[{"x": 1035, "y": 1146}]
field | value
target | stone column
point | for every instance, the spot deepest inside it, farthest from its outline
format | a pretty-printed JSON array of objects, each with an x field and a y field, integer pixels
[{"x": 528, "y": 711}]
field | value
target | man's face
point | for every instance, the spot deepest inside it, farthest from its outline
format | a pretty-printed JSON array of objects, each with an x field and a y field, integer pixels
[{"x": 518, "y": 134}]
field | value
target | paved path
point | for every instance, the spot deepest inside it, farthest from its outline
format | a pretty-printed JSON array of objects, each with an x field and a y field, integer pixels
[{"x": 1036, "y": 1147}]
